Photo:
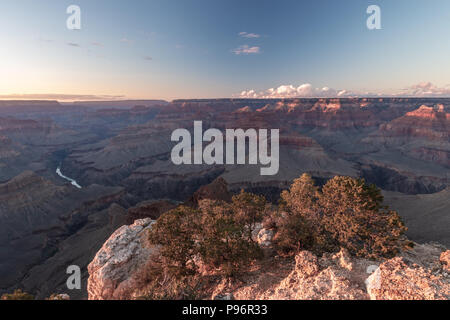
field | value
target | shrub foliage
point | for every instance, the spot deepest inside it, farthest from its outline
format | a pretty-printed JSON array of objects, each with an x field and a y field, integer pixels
[
  {"x": 357, "y": 220},
  {"x": 174, "y": 232},
  {"x": 218, "y": 235},
  {"x": 17, "y": 295},
  {"x": 347, "y": 213}
]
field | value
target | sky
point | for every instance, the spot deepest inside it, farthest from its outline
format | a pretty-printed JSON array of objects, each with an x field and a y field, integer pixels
[{"x": 170, "y": 49}]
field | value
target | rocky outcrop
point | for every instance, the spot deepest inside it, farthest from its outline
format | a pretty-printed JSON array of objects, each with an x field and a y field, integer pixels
[
  {"x": 262, "y": 236},
  {"x": 124, "y": 253},
  {"x": 431, "y": 123},
  {"x": 423, "y": 133},
  {"x": 332, "y": 277},
  {"x": 217, "y": 190},
  {"x": 420, "y": 273},
  {"x": 399, "y": 279},
  {"x": 416, "y": 274},
  {"x": 445, "y": 260},
  {"x": 243, "y": 110}
]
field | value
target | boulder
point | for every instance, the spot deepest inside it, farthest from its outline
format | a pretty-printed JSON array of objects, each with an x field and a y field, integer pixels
[
  {"x": 400, "y": 279},
  {"x": 311, "y": 280},
  {"x": 262, "y": 235},
  {"x": 445, "y": 260},
  {"x": 111, "y": 273}
]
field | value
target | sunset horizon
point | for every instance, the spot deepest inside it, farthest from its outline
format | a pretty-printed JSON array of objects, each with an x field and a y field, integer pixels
[{"x": 170, "y": 50}]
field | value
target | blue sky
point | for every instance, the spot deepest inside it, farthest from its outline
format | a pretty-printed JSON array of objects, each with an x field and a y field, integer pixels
[{"x": 196, "y": 48}]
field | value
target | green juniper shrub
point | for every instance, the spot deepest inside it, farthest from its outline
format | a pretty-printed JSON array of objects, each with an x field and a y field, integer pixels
[
  {"x": 345, "y": 213},
  {"x": 218, "y": 233},
  {"x": 299, "y": 222},
  {"x": 223, "y": 238},
  {"x": 249, "y": 209},
  {"x": 175, "y": 232},
  {"x": 292, "y": 233},
  {"x": 357, "y": 220},
  {"x": 17, "y": 295}
]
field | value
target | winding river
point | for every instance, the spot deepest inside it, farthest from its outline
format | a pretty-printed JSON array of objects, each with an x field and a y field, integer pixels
[{"x": 73, "y": 182}]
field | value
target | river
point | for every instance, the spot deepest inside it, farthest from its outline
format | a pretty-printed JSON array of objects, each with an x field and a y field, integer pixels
[{"x": 73, "y": 182}]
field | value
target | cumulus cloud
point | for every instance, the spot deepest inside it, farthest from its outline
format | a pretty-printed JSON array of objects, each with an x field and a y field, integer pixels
[
  {"x": 342, "y": 93},
  {"x": 423, "y": 89},
  {"x": 249, "y": 35},
  {"x": 426, "y": 89},
  {"x": 245, "y": 49},
  {"x": 291, "y": 91}
]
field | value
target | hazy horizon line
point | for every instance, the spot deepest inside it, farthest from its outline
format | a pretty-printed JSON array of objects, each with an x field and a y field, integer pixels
[{"x": 218, "y": 98}]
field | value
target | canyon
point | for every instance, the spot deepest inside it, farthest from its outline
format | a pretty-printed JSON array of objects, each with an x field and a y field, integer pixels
[
  {"x": 234, "y": 140},
  {"x": 120, "y": 153}
]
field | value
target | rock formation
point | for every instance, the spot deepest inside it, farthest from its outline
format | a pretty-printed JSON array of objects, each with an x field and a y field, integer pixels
[
  {"x": 216, "y": 190},
  {"x": 421, "y": 273},
  {"x": 423, "y": 133},
  {"x": 111, "y": 272},
  {"x": 120, "y": 152},
  {"x": 397, "y": 279}
]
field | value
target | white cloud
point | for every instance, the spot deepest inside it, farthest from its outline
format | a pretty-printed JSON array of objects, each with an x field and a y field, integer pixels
[
  {"x": 245, "y": 49},
  {"x": 425, "y": 89},
  {"x": 249, "y": 35},
  {"x": 291, "y": 91}
]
